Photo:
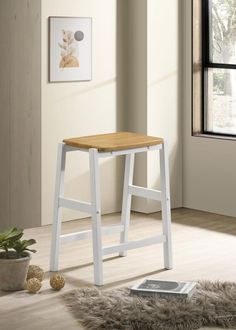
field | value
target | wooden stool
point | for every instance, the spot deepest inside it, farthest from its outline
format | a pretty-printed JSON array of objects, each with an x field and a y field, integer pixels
[{"x": 105, "y": 145}]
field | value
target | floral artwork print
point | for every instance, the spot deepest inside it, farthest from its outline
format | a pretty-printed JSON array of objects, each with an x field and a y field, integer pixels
[{"x": 68, "y": 50}]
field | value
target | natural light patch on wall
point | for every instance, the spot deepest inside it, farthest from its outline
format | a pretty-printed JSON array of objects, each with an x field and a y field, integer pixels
[
  {"x": 163, "y": 111},
  {"x": 81, "y": 108}
]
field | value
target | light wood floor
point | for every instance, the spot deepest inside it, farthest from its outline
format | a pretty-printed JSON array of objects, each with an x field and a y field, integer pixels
[{"x": 204, "y": 247}]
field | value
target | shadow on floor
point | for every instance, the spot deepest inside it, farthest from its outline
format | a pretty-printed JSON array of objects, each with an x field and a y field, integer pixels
[
  {"x": 205, "y": 220},
  {"x": 131, "y": 279}
]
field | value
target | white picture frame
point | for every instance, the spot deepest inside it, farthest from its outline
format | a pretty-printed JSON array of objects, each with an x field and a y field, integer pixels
[{"x": 70, "y": 49}]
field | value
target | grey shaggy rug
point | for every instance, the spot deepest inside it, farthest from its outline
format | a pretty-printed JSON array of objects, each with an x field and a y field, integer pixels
[{"x": 213, "y": 304}]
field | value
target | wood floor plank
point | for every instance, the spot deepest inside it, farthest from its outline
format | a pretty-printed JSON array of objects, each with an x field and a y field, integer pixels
[{"x": 204, "y": 247}]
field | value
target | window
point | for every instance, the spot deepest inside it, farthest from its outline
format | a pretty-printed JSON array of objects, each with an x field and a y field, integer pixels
[{"x": 214, "y": 67}]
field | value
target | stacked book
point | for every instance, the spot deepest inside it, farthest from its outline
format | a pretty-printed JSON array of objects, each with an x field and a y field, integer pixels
[{"x": 164, "y": 288}]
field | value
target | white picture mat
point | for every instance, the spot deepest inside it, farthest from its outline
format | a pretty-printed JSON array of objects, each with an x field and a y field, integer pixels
[{"x": 84, "y": 49}]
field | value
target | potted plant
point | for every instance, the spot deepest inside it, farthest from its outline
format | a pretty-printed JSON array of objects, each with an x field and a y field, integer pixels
[{"x": 14, "y": 259}]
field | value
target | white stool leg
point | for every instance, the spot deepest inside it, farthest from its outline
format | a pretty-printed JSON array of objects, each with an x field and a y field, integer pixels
[
  {"x": 96, "y": 216},
  {"x": 166, "y": 213},
  {"x": 126, "y": 202},
  {"x": 59, "y": 189}
]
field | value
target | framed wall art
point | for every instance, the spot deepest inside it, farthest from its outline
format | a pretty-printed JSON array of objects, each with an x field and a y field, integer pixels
[{"x": 70, "y": 49}]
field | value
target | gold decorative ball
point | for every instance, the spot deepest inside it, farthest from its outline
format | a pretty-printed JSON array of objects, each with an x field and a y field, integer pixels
[
  {"x": 33, "y": 285},
  {"x": 57, "y": 282},
  {"x": 36, "y": 272}
]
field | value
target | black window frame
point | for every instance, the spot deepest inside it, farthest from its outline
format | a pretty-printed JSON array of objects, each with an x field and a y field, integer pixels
[{"x": 207, "y": 64}]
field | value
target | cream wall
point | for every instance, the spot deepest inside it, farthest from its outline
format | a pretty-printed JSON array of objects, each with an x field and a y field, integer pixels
[
  {"x": 153, "y": 99},
  {"x": 20, "y": 113},
  {"x": 137, "y": 87},
  {"x": 134, "y": 87},
  {"x": 163, "y": 104},
  {"x": 209, "y": 180},
  {"x": 82, "y": 108},
  {"x": 141, "y": 82}
]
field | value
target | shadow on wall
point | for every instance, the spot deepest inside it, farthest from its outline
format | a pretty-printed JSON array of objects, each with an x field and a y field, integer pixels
[
  {"x": 88, "y": 89},
  {"x": 175, "y": 160},
  {"x": 154, "y": 162},
  {"x": 121, "y": 65},
  {"x": 110, "y": 176},
  {"x": 108, "y": 173},
  {"x": 111, "y": 173}
]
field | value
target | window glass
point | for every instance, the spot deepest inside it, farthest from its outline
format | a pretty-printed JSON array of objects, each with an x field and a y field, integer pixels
[
  {"x": 222, "y": 31},
  {"x": 220, "y": 101}
]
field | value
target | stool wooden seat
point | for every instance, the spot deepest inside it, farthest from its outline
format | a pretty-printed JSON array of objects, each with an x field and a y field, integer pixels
[
  {"x": 113, "y": 141},
  {"x": 106, "y": 145}
]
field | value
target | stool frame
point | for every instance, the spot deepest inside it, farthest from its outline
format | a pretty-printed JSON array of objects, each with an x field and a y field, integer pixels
[{"x": 94, "y": 208}]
